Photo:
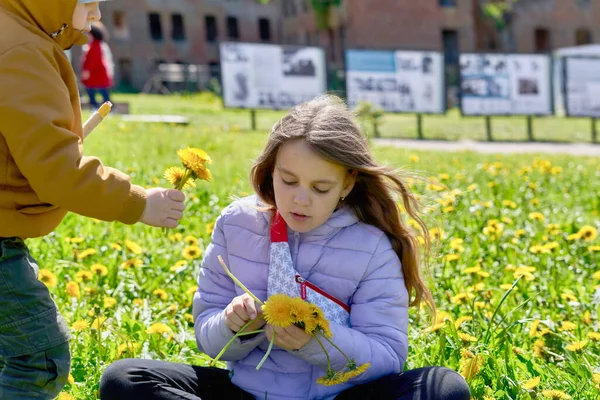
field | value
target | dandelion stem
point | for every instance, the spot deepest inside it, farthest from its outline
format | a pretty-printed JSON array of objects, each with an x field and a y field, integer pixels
[
  {"x": 236, "y": 280},
  {"x": 260, "y": 364},
  {"x": 324, "y": 351},
  {"x": 251, "y": 332},
  {"x": 237, "y": 334},
  {"x": 334, "y": 345}
]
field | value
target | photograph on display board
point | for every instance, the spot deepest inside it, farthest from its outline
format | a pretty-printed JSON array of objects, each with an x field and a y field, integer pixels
[
  {"x": 396, "y": 81},
  {"x": 505, "y": 84},
  {"x": 271, "y": 76},
  {"x": 582, "y": 86}
]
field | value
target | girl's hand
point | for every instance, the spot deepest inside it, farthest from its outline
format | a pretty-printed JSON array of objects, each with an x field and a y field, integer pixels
[
  {"x": 290, "y": 338},
  {"x": 241, "y": 310}
]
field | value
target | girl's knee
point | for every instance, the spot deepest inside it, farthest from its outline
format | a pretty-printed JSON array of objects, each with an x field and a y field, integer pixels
[
  {"x": 453, "y": 385},
  {"x": 116, "y": 382}
]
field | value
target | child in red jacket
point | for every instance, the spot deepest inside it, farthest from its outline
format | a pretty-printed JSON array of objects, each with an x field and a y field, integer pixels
[{"x": 98, "y": 69}]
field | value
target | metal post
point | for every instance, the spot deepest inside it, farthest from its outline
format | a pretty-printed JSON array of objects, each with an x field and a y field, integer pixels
[
  {"x": 253, "y": 119},
  {"x": 530, "y": 128},
  {"x": 420, "y": 126},
  {"x": 488, "y": 128}
]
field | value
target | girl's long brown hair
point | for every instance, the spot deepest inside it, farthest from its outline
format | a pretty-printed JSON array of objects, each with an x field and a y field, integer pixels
[{"x": 328, "y": 127}]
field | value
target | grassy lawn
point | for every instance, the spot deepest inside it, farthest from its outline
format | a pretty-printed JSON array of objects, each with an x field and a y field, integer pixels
[{"x": 515, "y": 273}]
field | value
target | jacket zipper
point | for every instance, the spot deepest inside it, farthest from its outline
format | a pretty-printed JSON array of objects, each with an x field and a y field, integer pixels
[{"x": 304, "y": 284}]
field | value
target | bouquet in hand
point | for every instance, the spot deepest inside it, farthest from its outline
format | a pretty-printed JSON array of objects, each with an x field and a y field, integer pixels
[
  {"x": 283, "y": 311},
  {"x": 194, "y": 167}
]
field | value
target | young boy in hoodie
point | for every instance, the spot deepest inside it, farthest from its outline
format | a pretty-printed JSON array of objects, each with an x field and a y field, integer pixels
[{"x": 43, "y": 175}]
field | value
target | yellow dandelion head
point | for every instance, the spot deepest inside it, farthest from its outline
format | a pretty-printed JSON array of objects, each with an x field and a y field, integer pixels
[
  {"x": 80, "y": 325},
  {"x": 83, "y": 276},
  {"x": 98, "y": 322},
  {"x": 300, "y": 310},
  {"x": 161, "y": 294},
  {"x": 588, "y": 233},
  {"x": 65, "y": 396},
  {"x": 158, "y": 328},
  {"x": 331, "y": 378},
  {"x": 205, "y": 175},
  {"x": 86, "y": 253},
  {"x": 190, "y": 240},
  {"x": 536, "y": 216},
  {"x": 194, "y": 159},
  {"x": 99, "y": 269},
  {"x": 176, "y": 237},
  {"x": 465, "y": 337},
  {"x": 47, "y": 277},
  {"x": 176, "y": 175},
  {"x": 191, "y": 252},
  {"x": 533, "y": 330},
  {"x": 567, "y": 326},
  {"x": 353, "y": 373},
  {"x": 277, "y": 310},
  {"x": 461, "y": 320},
  {"x": 110, "y": 302},
  {"x": 133, "y": 247},
  {"x": 576, "y": 346},
  {"x": 72, "y": 290},
  {"x": 531, "y": 383},
  {"x": 115, "y": 246},
  {"x": 470, "y": 367},
  {"x": 556, "y": 394},
  {"x": 70, "y": 380},
  {"x": 131, "y": 263}
]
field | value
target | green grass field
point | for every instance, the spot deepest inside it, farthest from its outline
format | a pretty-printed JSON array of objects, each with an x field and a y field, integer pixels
[{"x": 515, "y": 274}]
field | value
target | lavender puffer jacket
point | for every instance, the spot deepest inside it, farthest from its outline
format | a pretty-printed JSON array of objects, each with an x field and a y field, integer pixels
[{"x": 350, "y": 260}]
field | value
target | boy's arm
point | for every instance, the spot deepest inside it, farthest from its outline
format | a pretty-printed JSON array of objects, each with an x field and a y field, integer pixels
[{"x": 36, "y": 119}]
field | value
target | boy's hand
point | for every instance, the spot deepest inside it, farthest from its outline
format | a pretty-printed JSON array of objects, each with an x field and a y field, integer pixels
[
  {"x": 241, "y": 310},
  {"x": 290, "y": 338},
  {"x": 164, "y": 207}
]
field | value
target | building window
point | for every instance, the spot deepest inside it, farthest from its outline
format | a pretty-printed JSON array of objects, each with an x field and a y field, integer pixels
[
  {"x": 264, "y": 29},
  {"x": 120, "y": 28},
  {"x": 232, "y": 28},
  {"x": 156, "y": 32},
  {"x": 583, "y": 36},
  {"x": 448, "y": 3},
  {"x": 125, "y": 73},
  {"x": 542, "y": 40},
  {"x": 211, "y": 28},
  {"x": 178, "y": 27},
  {"x": 450, "y": 40}
]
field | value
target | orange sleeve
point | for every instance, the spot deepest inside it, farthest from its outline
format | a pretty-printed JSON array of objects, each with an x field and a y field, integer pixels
[{"x": 36, "y": 120}]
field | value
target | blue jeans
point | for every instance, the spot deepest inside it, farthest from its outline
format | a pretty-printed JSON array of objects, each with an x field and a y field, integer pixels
[
  {"x": 34, "y": 349},
  {"x": 92, "y": 95}
]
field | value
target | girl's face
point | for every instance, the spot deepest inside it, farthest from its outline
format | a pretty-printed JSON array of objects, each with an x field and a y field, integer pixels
[
  {"x": 307, "y": 187},
  {"x": 84, "y": 15}
]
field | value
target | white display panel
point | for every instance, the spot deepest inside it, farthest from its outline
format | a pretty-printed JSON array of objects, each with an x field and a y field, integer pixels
[
  {"x": 271, "y": 76},
  {"x": 396, "y": 81},
  {"x": 505, "y": 84},
  {"x": 582, "y": 86}
]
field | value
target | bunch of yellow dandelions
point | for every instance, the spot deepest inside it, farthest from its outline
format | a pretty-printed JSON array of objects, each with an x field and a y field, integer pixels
[
  {"x": 194, "y": 162},
  {"x": 284, "y": 311}
]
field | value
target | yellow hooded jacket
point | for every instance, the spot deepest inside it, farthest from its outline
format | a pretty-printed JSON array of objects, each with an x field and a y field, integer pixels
[{"x": 43, "y": 173}]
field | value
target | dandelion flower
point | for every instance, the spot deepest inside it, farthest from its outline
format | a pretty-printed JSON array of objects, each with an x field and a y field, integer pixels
[
  {"x": 331, "y": 379},
  {"x": 353, "y": 373},
  {"x": 47, "y": 277},
  {"x": 567, "y": 326},
  {"x": 470, "y": 367},
  {"x": 588, "y": 233},
  {"x": 576, "y": 346},
  {"x": 137, "y": 302},
  {"x": 70, "y": 380},
  {"x": 277, "y": 310},
  {"x": 536, "y": 216},
  {"x": 99, "y": 269},
  {"x": 133, "y": 247},
  {"x": 190, "y": 240},
  {"x": 191, "y": 252},
  {"x": 533, "y": 330},
  {"x": 539, "y": 348},
  {"x": 176, "y": 175},
  {"x": 531, "y": 383},
  {"x": 209, "y": 228},
  {"x": 110, "y": 302},
  {"x": 65, "y": 396},
  {"x": 194, "y": 159},
  {"x": 86, "y": 253},
  {"x": 205, "y": 175},
  {"x": 158, "y": 328},
  {"x": 116, "y": 247},
  {"x": 98, "y": 322},
  {"x": 595, "y": 336},
  {"x": 72, "y": 290},
  {"x": 461, "y": 320},
  {"x": 80, "y": 325},
  {"x": 83, "y": 276},
  {"x": 556, "y": 395},
  {"x": 161, "y": 294},
  {"x": 465, "y": 337},
  {"x": 176, "y": 237}
]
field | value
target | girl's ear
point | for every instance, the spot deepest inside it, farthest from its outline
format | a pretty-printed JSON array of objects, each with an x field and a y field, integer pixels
[{"x": 349, "y": 182}]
